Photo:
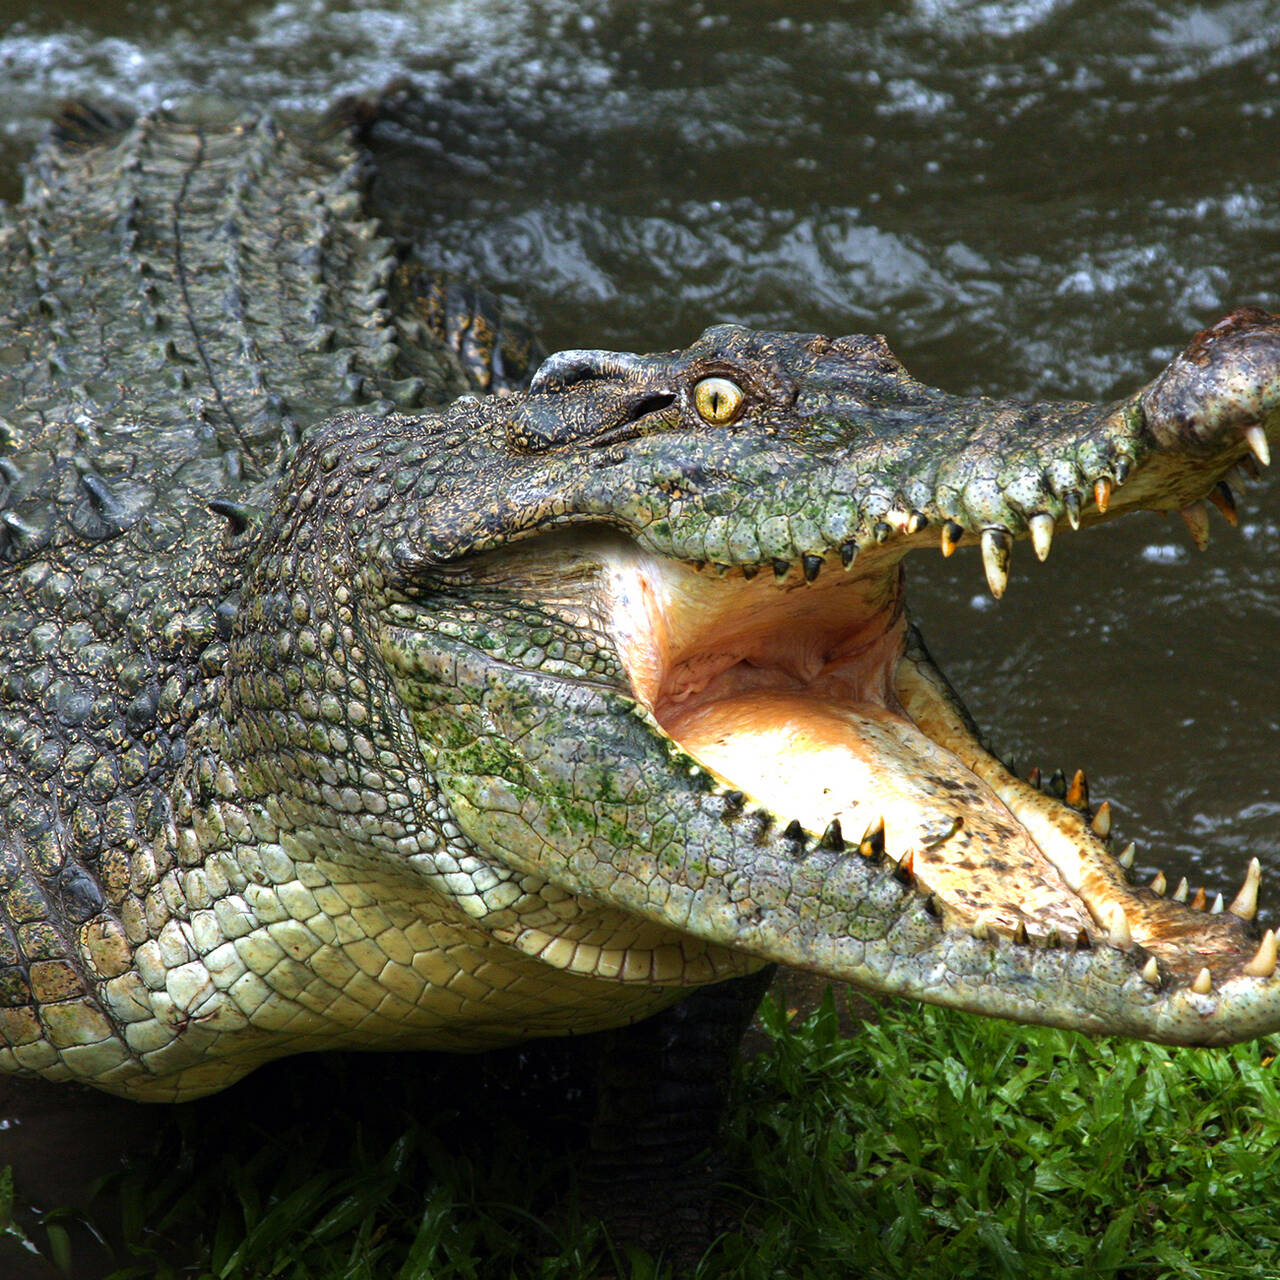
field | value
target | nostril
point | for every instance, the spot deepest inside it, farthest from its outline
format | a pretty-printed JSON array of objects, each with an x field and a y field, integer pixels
[{"x": 650, "y": 404}]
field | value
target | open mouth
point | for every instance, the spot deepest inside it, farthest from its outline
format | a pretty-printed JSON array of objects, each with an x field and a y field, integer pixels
[
  {"x": 808, "y": 690},
  {"x": 740, "y": 560}
]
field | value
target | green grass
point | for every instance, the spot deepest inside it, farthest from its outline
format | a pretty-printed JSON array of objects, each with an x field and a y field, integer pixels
[{"x": 930, "y": 1145}]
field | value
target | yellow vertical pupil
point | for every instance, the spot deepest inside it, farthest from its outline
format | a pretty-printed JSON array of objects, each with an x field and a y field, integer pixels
[{"x": 718, "y": 400}]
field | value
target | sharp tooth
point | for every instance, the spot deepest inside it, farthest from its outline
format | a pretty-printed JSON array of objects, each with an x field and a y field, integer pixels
[
  {"x": 1151, "y": 972},
  {"x": 1101, "y": 824},
  {"x": 1180, "y": 893},
  {"x": 833, "y": 837},
  {"x": 780, "y": 569},
  {"x": 1245, "y": 904},
  {"x": 1199, "y": 901},
  {"x": 1256, "y": 439},
  {"x": 812, "y": 567},
  {"x": 1159, "y": 884},
  {"x": 1222, "y": 498},
  {"x": 1034, "y": 777},
  {"x": 1118, "y": 927},
  {"x": 1203, "y": 983},
  {"x": 848, "y": 553},
  {"x": 1102, "y": 492},
  {"x": 1078, "y": 792},
  {"x": 1127, "y": 857},
  {"x": 1020, "y": 935},
  {"x": 917, "y": 522},
  {"x": 1041, "y": 525},
  {"x": 1263, "y": 965},
  {"x": 905, "y": 871},
  {"x": 996, "y": 544},
  {"x": 1197, "y": 521},
  {"x": 1083, "y": 941},
  {"x": 1071, "y": 500},
  {"x": 794, "y": 831},
  {"x": 872, "y": 842},
  {"x": 1216, "y": 909},
  {"x": 950, "y": 536}
]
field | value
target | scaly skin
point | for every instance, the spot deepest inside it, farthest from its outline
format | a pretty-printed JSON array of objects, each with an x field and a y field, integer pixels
[{"x": 438, "y": 739}]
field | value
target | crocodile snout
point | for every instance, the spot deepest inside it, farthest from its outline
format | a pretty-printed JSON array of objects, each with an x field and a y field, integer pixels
[{"x": 1225, "y": 385}]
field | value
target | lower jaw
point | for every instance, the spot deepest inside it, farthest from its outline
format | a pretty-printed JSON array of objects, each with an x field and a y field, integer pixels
[
  {"x": 860, "y": 764},
  {"x": 996, "y": 853}
]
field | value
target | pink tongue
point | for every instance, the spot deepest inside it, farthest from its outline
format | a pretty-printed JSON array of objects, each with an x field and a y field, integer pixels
[{"x": 803, "y": 758}]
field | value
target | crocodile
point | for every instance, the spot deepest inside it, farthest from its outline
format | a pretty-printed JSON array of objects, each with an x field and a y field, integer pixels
[{"x": 359, "y": 690}]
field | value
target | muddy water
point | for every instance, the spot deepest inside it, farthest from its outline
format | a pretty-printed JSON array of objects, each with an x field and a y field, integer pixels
[{"x": 1027, "y": 196}]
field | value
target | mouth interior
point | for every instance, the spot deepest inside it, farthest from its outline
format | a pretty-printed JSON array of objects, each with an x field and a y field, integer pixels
[{"x": 816, "y": 701}]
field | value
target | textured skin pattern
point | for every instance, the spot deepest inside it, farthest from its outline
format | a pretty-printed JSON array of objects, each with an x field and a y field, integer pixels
[
  {"x": 320, "y": 733},
  {"x": 183, "y": 304}
]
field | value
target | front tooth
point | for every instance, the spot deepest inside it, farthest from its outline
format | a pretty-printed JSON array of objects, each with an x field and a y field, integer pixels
[
  {"x": 1256, "y": 439},
  {"x": 872, "y": 843},
  {"x": 1071, "y": 501},
  {"x": 950, "y": 536},
  {"x": 1263, "y": 965},
  {"x": 1217, "y": 908},
  {"x": 1118, "y": 933},
  {"x": 1246, "y": 901},
  {"x": 1197, "y": 521},
  {"x": 1101, "y": 824},
  {"x": 1102, "y": 492},
  {"x": 995, "y": 559},
  {"x": 1126, "y": 858},
  {"x": 1180, "y": 893},
  {"x": 1041, "y": 525},
  {"x": 1151, "y": 972},
  {"x": 1078, "y": 793},
  {"x": 1203, "y": 983},
  {"x": 1159, "y": 884},
  {"x": 1222, "y": 498}
]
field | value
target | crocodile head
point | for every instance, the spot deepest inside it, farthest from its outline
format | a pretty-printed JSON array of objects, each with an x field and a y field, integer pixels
[{"x": 644, "y": 644}]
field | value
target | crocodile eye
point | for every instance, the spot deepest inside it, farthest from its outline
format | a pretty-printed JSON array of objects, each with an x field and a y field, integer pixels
[{"x": 718, "y": 400}]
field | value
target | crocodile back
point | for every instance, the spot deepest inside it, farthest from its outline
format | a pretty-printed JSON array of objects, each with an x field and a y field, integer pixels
[{"x": 182, "y": 301}]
